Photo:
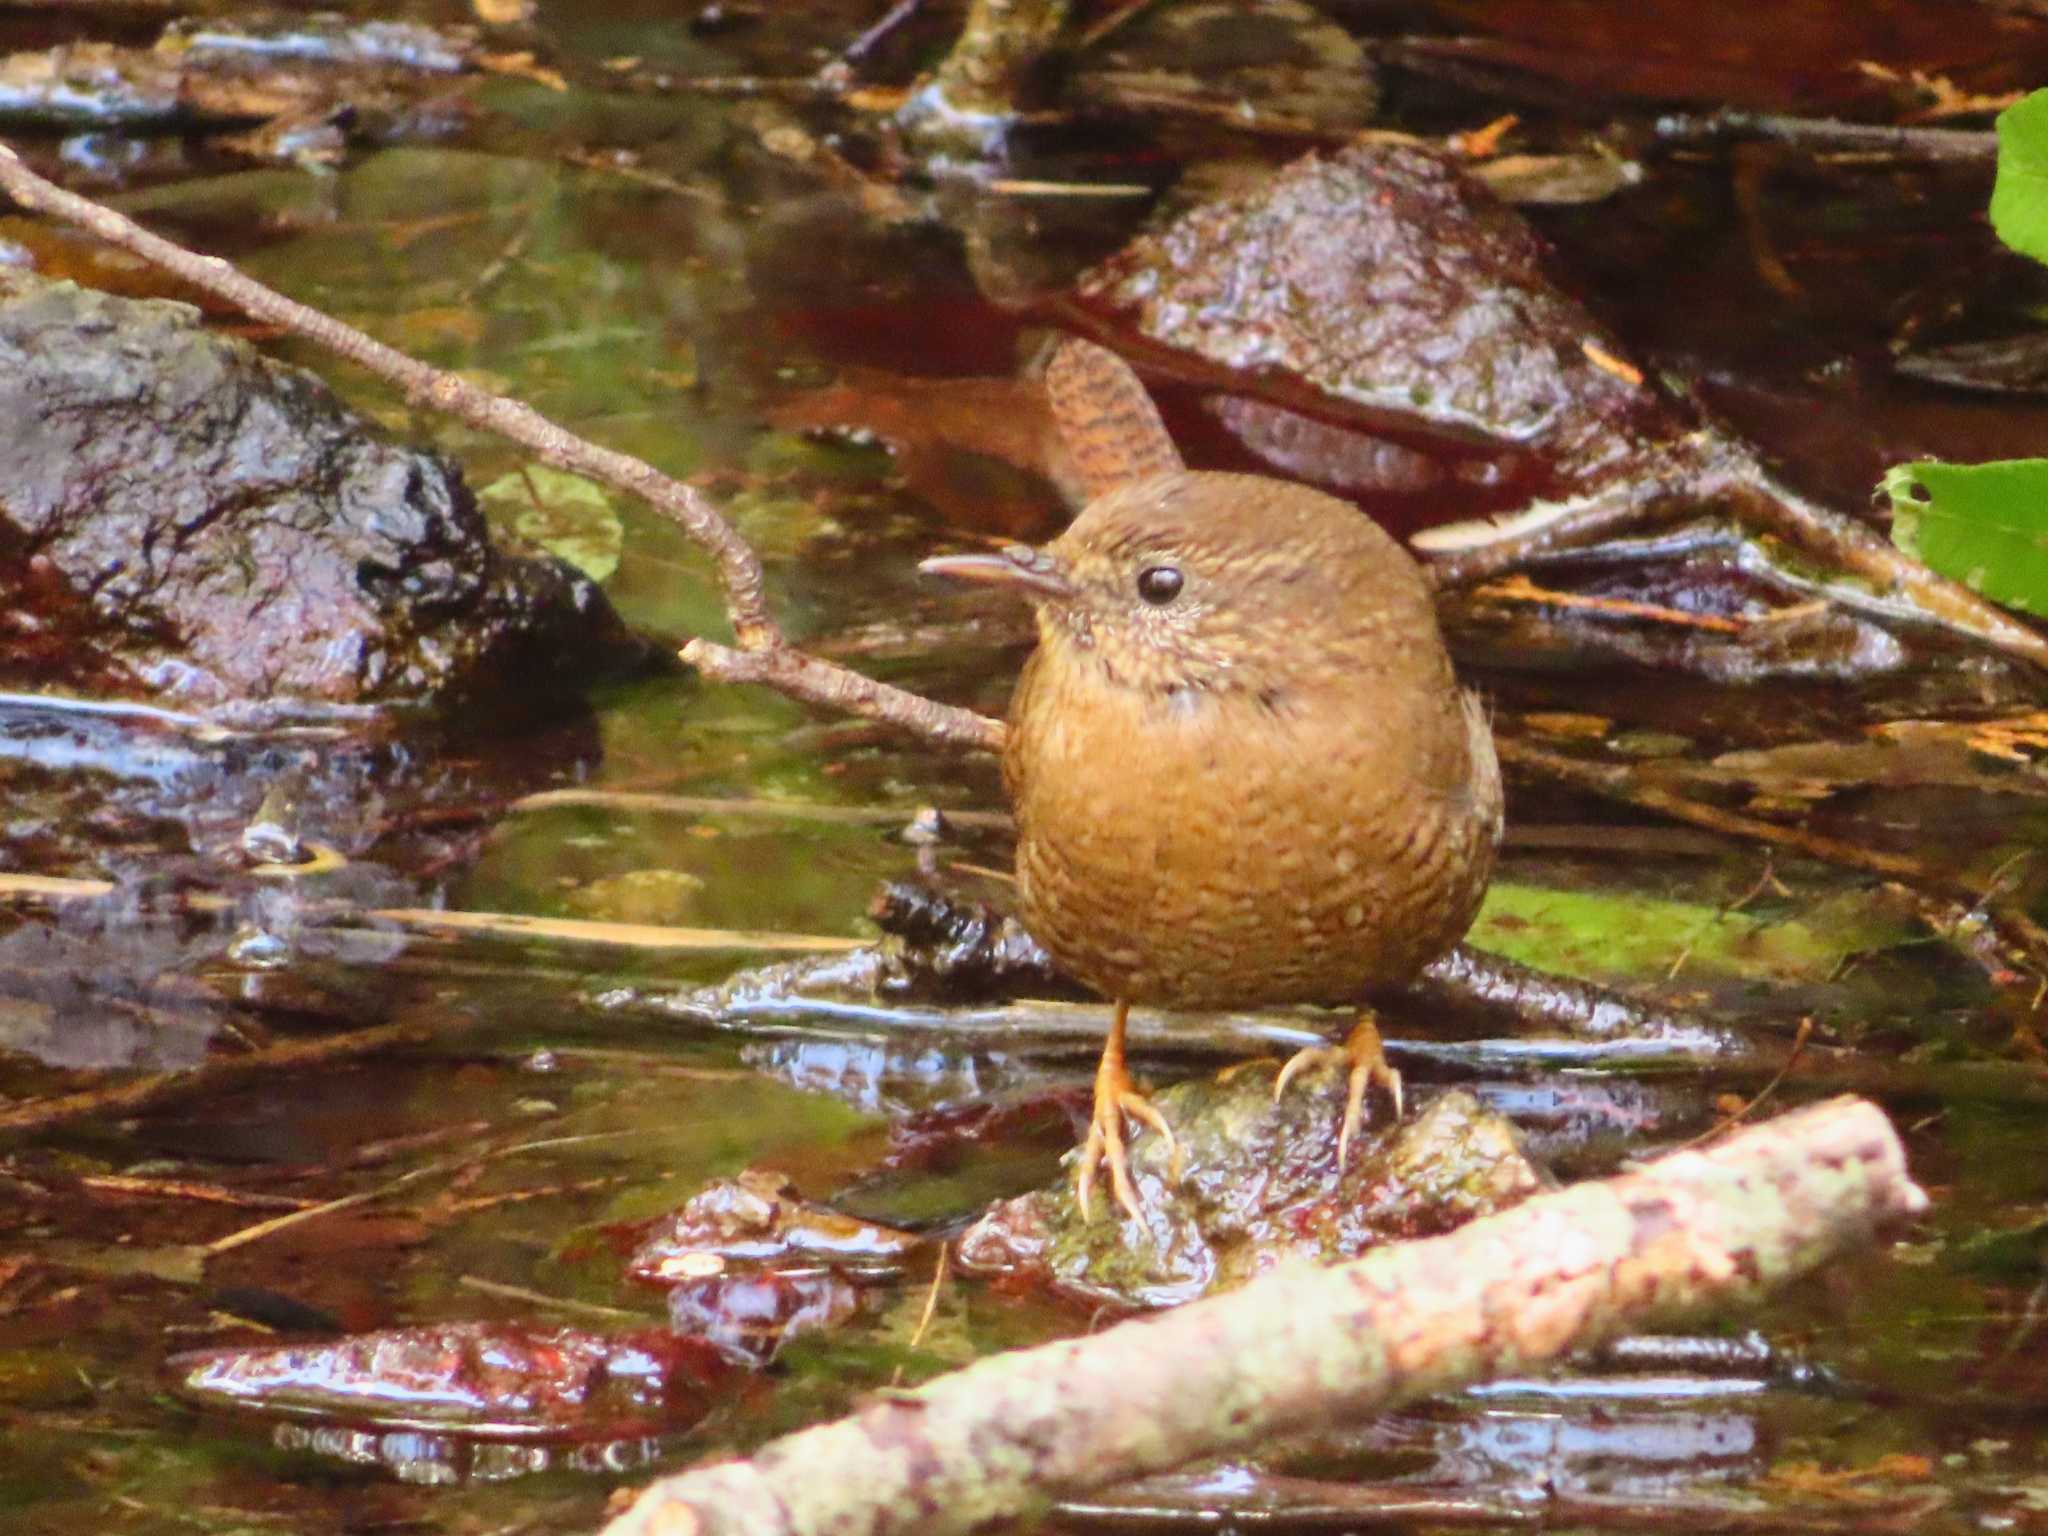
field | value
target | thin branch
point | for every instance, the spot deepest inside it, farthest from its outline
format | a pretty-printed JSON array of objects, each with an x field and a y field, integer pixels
[
  {"x": 764, "y": 655},
  {"x": 211, "y": 1076},
  {"x": 627, "y": 802},
  {"x": 866, "y": 43},
  {"x": 494, "y": 925},
  {"x": 641, "y": 936},
  {"x": 1662, "y": 483},
  {"x": 1520, "y": 589},
  {"x": 796, "y": 675},
  {"x": 1306, "y": 1343},
  {"x": 1819, "y": 135},
  {"x": 527, "y": 1296}
]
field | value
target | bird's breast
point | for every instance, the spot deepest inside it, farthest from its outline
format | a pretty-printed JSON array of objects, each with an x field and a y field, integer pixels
[{"x": 1232, "y": 849}]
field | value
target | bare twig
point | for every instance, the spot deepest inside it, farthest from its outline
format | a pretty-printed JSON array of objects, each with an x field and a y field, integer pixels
[
  {"x": 1471, "y": 979},
  {"x": 496, "y": 925},
  {"x": 642, "y": 936},
  {"x": 765, "y": 655},
  {"x": 1661, "y": 483},
  {"x": 1520, "y": 589},
  {"x": 527, "y": 1296},
  {"x": 187, "y": 1189},
  {"x": 632, "y": 801},
  {"x": 1304, "y": 1343},
  {"x": 1756, "y": 1100},
  {"x": 891, "y": 19},
  {"x": 264, "y": 1229},
  {"x": 799, "y": 676},
  {"x": 1819, "y": 135}
]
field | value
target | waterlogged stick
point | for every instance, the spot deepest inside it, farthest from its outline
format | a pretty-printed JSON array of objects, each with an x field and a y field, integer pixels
[{"x": 1563, "y": 1271}]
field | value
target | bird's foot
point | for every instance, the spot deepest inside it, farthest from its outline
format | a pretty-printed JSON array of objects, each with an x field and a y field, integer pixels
[
  {"x": 1115, "y": 1098},
  {"x": 1363, "y": 1053}
]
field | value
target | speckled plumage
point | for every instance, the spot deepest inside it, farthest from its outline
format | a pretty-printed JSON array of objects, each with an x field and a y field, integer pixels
[{"x": 1269, "y": 790}]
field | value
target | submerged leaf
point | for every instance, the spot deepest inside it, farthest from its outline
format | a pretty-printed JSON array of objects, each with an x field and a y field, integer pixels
[
  {"x": 566, "y": 515},
  {"x": 1608, "y": 934},
  {"x": 1985, "y": 525}
]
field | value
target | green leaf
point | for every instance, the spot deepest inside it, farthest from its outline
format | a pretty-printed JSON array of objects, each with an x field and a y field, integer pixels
[
  {"x": 1984, "y": 525},
  {"x": 1600, "y": 935},
  {"x": 565, "y": 514},
  {"x": 2019, "y": 197}
]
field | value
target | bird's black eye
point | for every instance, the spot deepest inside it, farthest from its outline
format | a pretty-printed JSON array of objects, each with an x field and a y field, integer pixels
[{"x": 1159, "y": 584}]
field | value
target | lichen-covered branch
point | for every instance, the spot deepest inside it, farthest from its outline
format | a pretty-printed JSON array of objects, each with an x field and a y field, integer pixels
[
  {"x": 764, "y": 655},
  {"x": 1504, "y": 1294}
]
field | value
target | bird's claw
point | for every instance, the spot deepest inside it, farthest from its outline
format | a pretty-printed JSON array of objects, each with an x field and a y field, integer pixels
[
  {"x": 1105, "y": 1147},
  {"x": 1367, "y": 1064}
]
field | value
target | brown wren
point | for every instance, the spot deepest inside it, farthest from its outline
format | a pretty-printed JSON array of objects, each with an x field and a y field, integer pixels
[{"x": 1243, "y": 770}]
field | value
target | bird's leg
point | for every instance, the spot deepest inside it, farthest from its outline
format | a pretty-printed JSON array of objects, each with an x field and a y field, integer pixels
[
  {"x": 1115, "y": 1097},
  {"x": 1368, "y": 1061}
]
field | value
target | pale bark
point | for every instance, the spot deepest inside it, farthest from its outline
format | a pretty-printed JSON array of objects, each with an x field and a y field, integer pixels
[{"x": 1504, "y": 1294}]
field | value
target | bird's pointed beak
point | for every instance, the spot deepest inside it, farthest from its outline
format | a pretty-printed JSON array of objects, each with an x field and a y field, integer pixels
[{"x": 1036, "y": 573}]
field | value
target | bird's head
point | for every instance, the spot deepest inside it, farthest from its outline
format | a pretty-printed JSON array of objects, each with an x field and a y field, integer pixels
[{"x": 1209, "y": 583}]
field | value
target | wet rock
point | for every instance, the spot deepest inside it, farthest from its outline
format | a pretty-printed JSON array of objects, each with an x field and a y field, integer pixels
[
  {"x": 960, "y": 949},
  {"x": 323, "y": 38},
  {"x": 502, "y": 1380},
  {"x": 749, "y": 1264},
  {"x": 89, "y": 85},
  {"x": 1260, "y": 1186},
  {"x": 748, "y": 1316},
  {"x": 1388, "y": 280},
  {"x": 312, "y": 83},
  {"x": 185, "y": 520},
  {"x": 758, "y": 1219}
]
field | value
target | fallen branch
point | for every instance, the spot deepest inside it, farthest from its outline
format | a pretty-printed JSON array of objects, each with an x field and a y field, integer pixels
[
  {"x": 813, "y": 681},
  {"x": 1828, "y": 136},
  {"x": 640, "y": 936},
  {"x": 764, "y": 654},
  {"x": 55, "y": 890},
  {"x": 1707, "y": 467},
  {"x": 213, "y": 1075},
  {"x": 637, "y": 802},
  {"x": 1556, "y": 1274}
]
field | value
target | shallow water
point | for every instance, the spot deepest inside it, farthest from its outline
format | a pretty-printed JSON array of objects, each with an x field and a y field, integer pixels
[{"x": 645, "y": 269}]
